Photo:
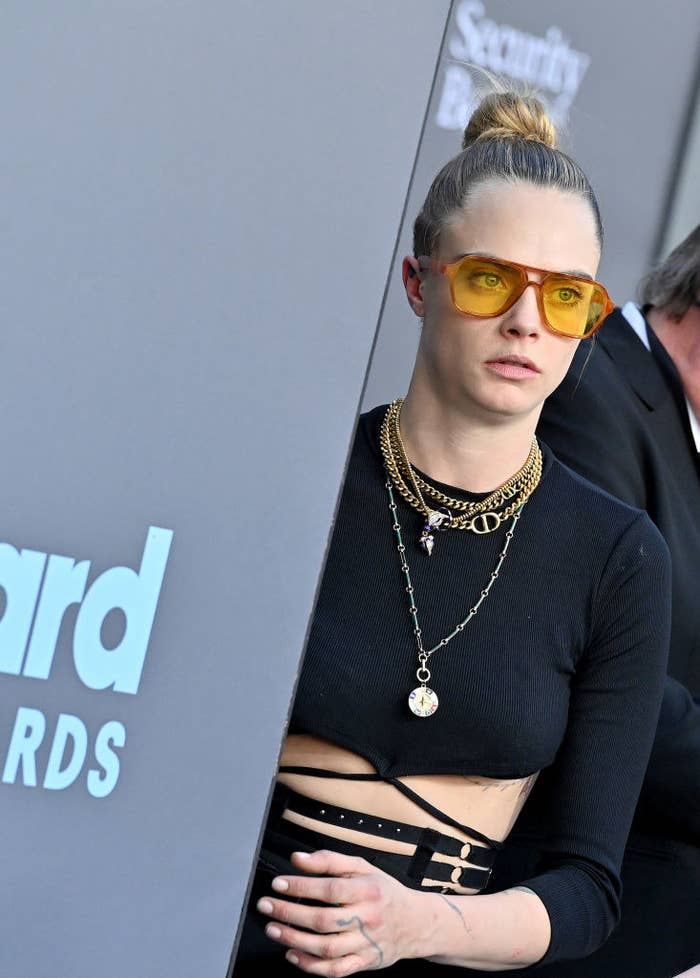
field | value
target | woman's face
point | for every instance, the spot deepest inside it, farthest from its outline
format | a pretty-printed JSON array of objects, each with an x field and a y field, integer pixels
[{"x": 464, "y": 357}]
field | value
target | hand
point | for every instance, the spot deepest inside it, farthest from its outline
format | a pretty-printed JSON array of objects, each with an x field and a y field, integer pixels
[{"x": 370, "y": 921}]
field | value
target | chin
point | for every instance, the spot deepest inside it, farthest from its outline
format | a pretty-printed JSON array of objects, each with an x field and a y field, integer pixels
[
  {"x": 522, "y": 414},
  {"x": 510, "y": 404}
]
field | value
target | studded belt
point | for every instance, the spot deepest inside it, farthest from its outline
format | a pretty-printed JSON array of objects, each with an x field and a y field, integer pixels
[{"x": 428, "y": 842}]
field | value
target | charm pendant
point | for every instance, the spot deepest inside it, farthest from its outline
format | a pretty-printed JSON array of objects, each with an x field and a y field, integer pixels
[
  {"x": 423, "y": 701},
  {"x": 437, "y": 520},
  {"x": 427, "y": 540}
]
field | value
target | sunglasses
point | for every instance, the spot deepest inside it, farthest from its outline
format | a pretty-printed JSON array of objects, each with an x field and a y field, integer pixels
[{"x": 484, "y": 287}]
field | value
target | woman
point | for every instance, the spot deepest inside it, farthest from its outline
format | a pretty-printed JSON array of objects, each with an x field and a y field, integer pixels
[{"x": 485, "y": 614}]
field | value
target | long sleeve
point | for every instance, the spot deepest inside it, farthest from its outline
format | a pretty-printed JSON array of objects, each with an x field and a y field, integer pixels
[{"x": 598, "y": 772}]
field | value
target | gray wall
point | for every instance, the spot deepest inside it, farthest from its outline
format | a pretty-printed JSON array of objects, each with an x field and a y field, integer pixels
[
  {"x": 619, "y": 79},
  {"x": 684, "y": 210},
  {"x": 199, "y": 208}
]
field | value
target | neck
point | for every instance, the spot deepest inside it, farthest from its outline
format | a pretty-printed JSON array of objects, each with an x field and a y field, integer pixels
[{"x": 443, "y": 441}]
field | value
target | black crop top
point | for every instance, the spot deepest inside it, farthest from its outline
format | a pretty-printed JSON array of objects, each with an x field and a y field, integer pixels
[{"x": 562, "y": 665}]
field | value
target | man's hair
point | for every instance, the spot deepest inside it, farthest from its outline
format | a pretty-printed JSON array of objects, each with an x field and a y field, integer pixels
[{"x": 674, "y": 285}]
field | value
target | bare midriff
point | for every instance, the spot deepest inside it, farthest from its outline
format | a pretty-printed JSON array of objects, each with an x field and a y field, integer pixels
[{"x": 490, "y": 805}]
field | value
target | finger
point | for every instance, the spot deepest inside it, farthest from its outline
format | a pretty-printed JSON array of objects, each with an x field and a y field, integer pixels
[
  {"x": 336, "y": 890},
  {"x": 324, "y": 862},
  {"x": 329, "y": 969},
  {"x": 328, "y": 947},
  {"x": 322, "y": 920}
]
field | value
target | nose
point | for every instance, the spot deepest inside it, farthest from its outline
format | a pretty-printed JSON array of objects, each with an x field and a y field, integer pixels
[{"x": 524, "y": 317}]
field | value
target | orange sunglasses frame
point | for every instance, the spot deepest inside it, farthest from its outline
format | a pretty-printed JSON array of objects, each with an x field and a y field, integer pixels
[{"x": 449, "y": 270}]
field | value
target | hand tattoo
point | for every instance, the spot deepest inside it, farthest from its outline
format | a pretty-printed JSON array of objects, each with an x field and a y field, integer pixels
[{"x": 361, "y": 928}]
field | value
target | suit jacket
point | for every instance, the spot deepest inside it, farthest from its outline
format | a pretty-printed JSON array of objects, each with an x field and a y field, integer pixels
[{"x": 621, "y": 421}]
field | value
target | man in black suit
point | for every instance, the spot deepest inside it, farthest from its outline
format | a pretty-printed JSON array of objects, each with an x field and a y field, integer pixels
[{"x": 627, "y": 417}]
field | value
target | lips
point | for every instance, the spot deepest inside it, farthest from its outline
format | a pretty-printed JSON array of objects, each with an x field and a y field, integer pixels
[{"x": 513, "y": 367}]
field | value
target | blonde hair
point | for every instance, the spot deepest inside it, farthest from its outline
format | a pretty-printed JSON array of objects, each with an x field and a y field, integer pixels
[
  {"x": 505, "y": 114},
  {"x": 509, "y": 137}
]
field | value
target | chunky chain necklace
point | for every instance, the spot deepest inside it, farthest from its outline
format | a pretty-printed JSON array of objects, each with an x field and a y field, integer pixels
[
  {"x": 478, "y": 517},
  {"x": 423, "y": 700}
]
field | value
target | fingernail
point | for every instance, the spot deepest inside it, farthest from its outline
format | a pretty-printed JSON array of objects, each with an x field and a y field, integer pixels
[
  {"x": 302, "y": 855},
  {"x": 273, "y": 932},
  {"x": 264, "y": 906},
  {"x": 292, "y": 958},
  {"x": 280, "y": 885}
]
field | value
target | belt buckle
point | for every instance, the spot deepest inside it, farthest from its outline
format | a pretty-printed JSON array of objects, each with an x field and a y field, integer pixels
[{"x": 456, "y": 875}]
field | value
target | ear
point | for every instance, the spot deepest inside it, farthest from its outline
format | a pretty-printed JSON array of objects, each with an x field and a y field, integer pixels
[{"x": 413, "y": 283}]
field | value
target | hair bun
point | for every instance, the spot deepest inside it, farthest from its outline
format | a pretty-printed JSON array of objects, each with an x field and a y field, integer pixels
[{"x": 507, "y": 114}]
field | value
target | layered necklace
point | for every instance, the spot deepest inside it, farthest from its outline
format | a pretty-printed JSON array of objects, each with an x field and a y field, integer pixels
[
  {"x": 423, "y": 700},
  {"x": 480, "y": 517}
]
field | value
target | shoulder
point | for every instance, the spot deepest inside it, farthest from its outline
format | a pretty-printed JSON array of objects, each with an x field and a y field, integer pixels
[
  {"x": 604, "y": 519},
  {"x": 580, "y": 492},
  {"x": 365, "y": 465},
  {"x": 370, "y": 421},
  {"x": 618, "y": 555},
  {"x": 366, "y": 441}
]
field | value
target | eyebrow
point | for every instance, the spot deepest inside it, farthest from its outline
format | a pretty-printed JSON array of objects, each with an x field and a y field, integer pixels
[{"x": 577, "y": 273}]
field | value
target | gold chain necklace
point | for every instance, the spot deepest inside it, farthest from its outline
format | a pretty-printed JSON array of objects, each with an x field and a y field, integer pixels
[
  {"x": 478, "y": 517},
  {"x": 423, "y": 700}
]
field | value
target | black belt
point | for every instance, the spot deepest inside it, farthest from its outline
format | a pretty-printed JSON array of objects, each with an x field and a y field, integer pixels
[{"x": 428, "y": 842}]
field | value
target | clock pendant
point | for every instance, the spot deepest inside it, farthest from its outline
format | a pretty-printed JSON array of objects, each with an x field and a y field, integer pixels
[{"x": 423, "y": 701}]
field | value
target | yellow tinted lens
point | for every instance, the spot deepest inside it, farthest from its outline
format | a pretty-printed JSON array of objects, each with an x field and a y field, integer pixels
[
  {"x": 572, "y": 305},
  {"x": 484, "y": 288},
  {"x": 596, "y": 309}
]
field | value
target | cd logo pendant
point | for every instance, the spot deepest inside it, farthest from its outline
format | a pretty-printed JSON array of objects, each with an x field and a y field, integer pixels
[{"x": 423, "y": 701}]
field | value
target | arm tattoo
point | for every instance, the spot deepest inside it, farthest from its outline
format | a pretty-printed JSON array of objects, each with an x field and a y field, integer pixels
[
  {"x": 490, "y": 784},
  {"x": 527, "y": 786},
  {"x": 453, "y": 906},
  {"x": 361, "y": 927},
  {"x": 487, "y": 784}
]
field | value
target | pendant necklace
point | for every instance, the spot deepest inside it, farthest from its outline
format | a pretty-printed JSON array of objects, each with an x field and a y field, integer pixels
[
  {"x": 440, "y": 511},
  {"x": 423, "y": 700}
]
